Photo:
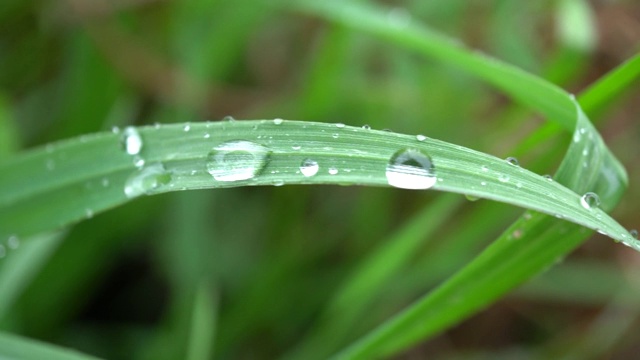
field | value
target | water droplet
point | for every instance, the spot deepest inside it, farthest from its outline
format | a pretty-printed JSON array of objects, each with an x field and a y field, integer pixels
[
  {"x": 548, "y": 177},
  {"x": 366, "y": 127},
  {"x": 583, "y": 131},
  {"x": 207, "y": 135},
  {"x": 585, "y": 152},
  {"x": 88, "y": 213},
  {"x": 51, "y": 164},
  {"x": 483, "y": 183},
  {"x": 335, "y": 136},
  {"x": 309, "y": 167},
  {"x": 13, "y": 242},
  {"x": 519, "y": 185},
  {"x": 237, "y": 160},
  {"x": 471, "y": 197},
  {"x": 576, "y": 137},
  {"x": 590, "y": 200},
  {"x": 278, "y": 182},
  {"x": 115, "y": 130},
  {"x": 333, "y": 171},
  {"x": 147, "y": 180},
  {"x": 512, "y": 161},
  {"x": 132, "y": 141},
  {"x": 339, "y": 125},
  {"x": 138, "y": 161},
  {"x": 187, "y": 127},
  {"x": 484, "y": 168},
  {"x": 228, "y": 118},
  {"x": 503, "y": 178},
  {"x": 411, "y": 169},
  {"x": 421, "y": 137},
  {"x": 633, "y": 233},
  {"x": 105, "y": 182},
  {"x": 277, "y": 121},
  {"x": 296, "y": 147},
  {"x": 156, "y": 125}
]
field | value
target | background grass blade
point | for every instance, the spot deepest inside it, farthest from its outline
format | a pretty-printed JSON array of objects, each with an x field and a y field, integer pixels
[{"x": 16, "y": 347}]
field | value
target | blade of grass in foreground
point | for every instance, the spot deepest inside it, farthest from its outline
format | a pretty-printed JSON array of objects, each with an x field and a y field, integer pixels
[
  {"x": 95, "y": 173},
  {"x": 535, "y": 241}
]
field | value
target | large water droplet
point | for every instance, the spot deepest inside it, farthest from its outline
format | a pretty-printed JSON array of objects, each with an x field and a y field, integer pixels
[
  {"x": 132, "y": 141},
  {"x": 237, "y": 160},
  {"x": 309, "y": 167},
  {"x": 147, "y": 180},
  {"x": 411, "y": 169},
  {"x": 590, "y": 200}
]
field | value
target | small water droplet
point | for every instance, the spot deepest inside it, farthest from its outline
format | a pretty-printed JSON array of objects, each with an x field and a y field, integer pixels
[
  {"x": 138, "y": 161},
  {"x": 483, "y": 183},
  {"x": 548, "y": 177},
  {"x": 333, "y": 171},
  {"x": 51, "y": 164},
  {"x": 335, "y": 136},
  {"x": 207, "y": 135},
  {"x": 147, "y": 180},
  {"x": 339, "y": 125},
  {"x": 421, "y": 137},
  {"x": 519, "y": 185},
  {"x": 484, "y": 168},
  {"x": 576, "y": 137},
  {"x": 237, "y": 160},
  {"x": 411, "y": 169},
  {"x": 278, "y": 182},
  {"x": 13, "y": 242},
  {"x": 88, "y": 213},
  {"x": 277, "y": 121},
  {"x": 105, "y": 182},
  {"x": 633, "y": 233},
  {"x": 590, "y": 200},
  {"x": 583, "y": 131},
  {"x": 156, "y": 125},
  {"x": 585, "y": 152},
  {"x": 132, "y": 140},
  {"x": 503, "y": 178},
  {"x": 228, "y": 118},
  {"x": 512, "y": 161},
  {"x": 309, "y": 167},
  {"x": 366, "y": 127},
  {"x": 115, "y": 130},
  {"x": 471, "y": 197},
  {"x": 187, "y": 127},
  {"x": 296, "y": 147}
]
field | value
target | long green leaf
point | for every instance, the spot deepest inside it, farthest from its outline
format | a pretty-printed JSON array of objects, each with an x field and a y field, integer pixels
[{"x": 94, "y": 173}]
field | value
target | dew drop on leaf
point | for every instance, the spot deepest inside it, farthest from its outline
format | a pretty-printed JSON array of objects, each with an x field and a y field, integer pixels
[
  {"x": 512, "y": 161},
  {"x": 421, "y": 137},
  {"x": 131, "y": 140},
  {"x": 333, "y": 171},
  {"x": 13, "y": 242},
  {"x": 147, "y": 180},
  {"x": 411, "y": 169},
  {"x": 277, "y": 121},
  {"x": 634, "y": 233},
  {"x": 237, "y": 160},
  {"x": 309, "y": 167},
  {"x": 590, "y": 200}
]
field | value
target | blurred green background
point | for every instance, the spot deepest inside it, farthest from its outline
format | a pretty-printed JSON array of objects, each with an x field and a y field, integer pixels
[{"x": 246, "y": 273}]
